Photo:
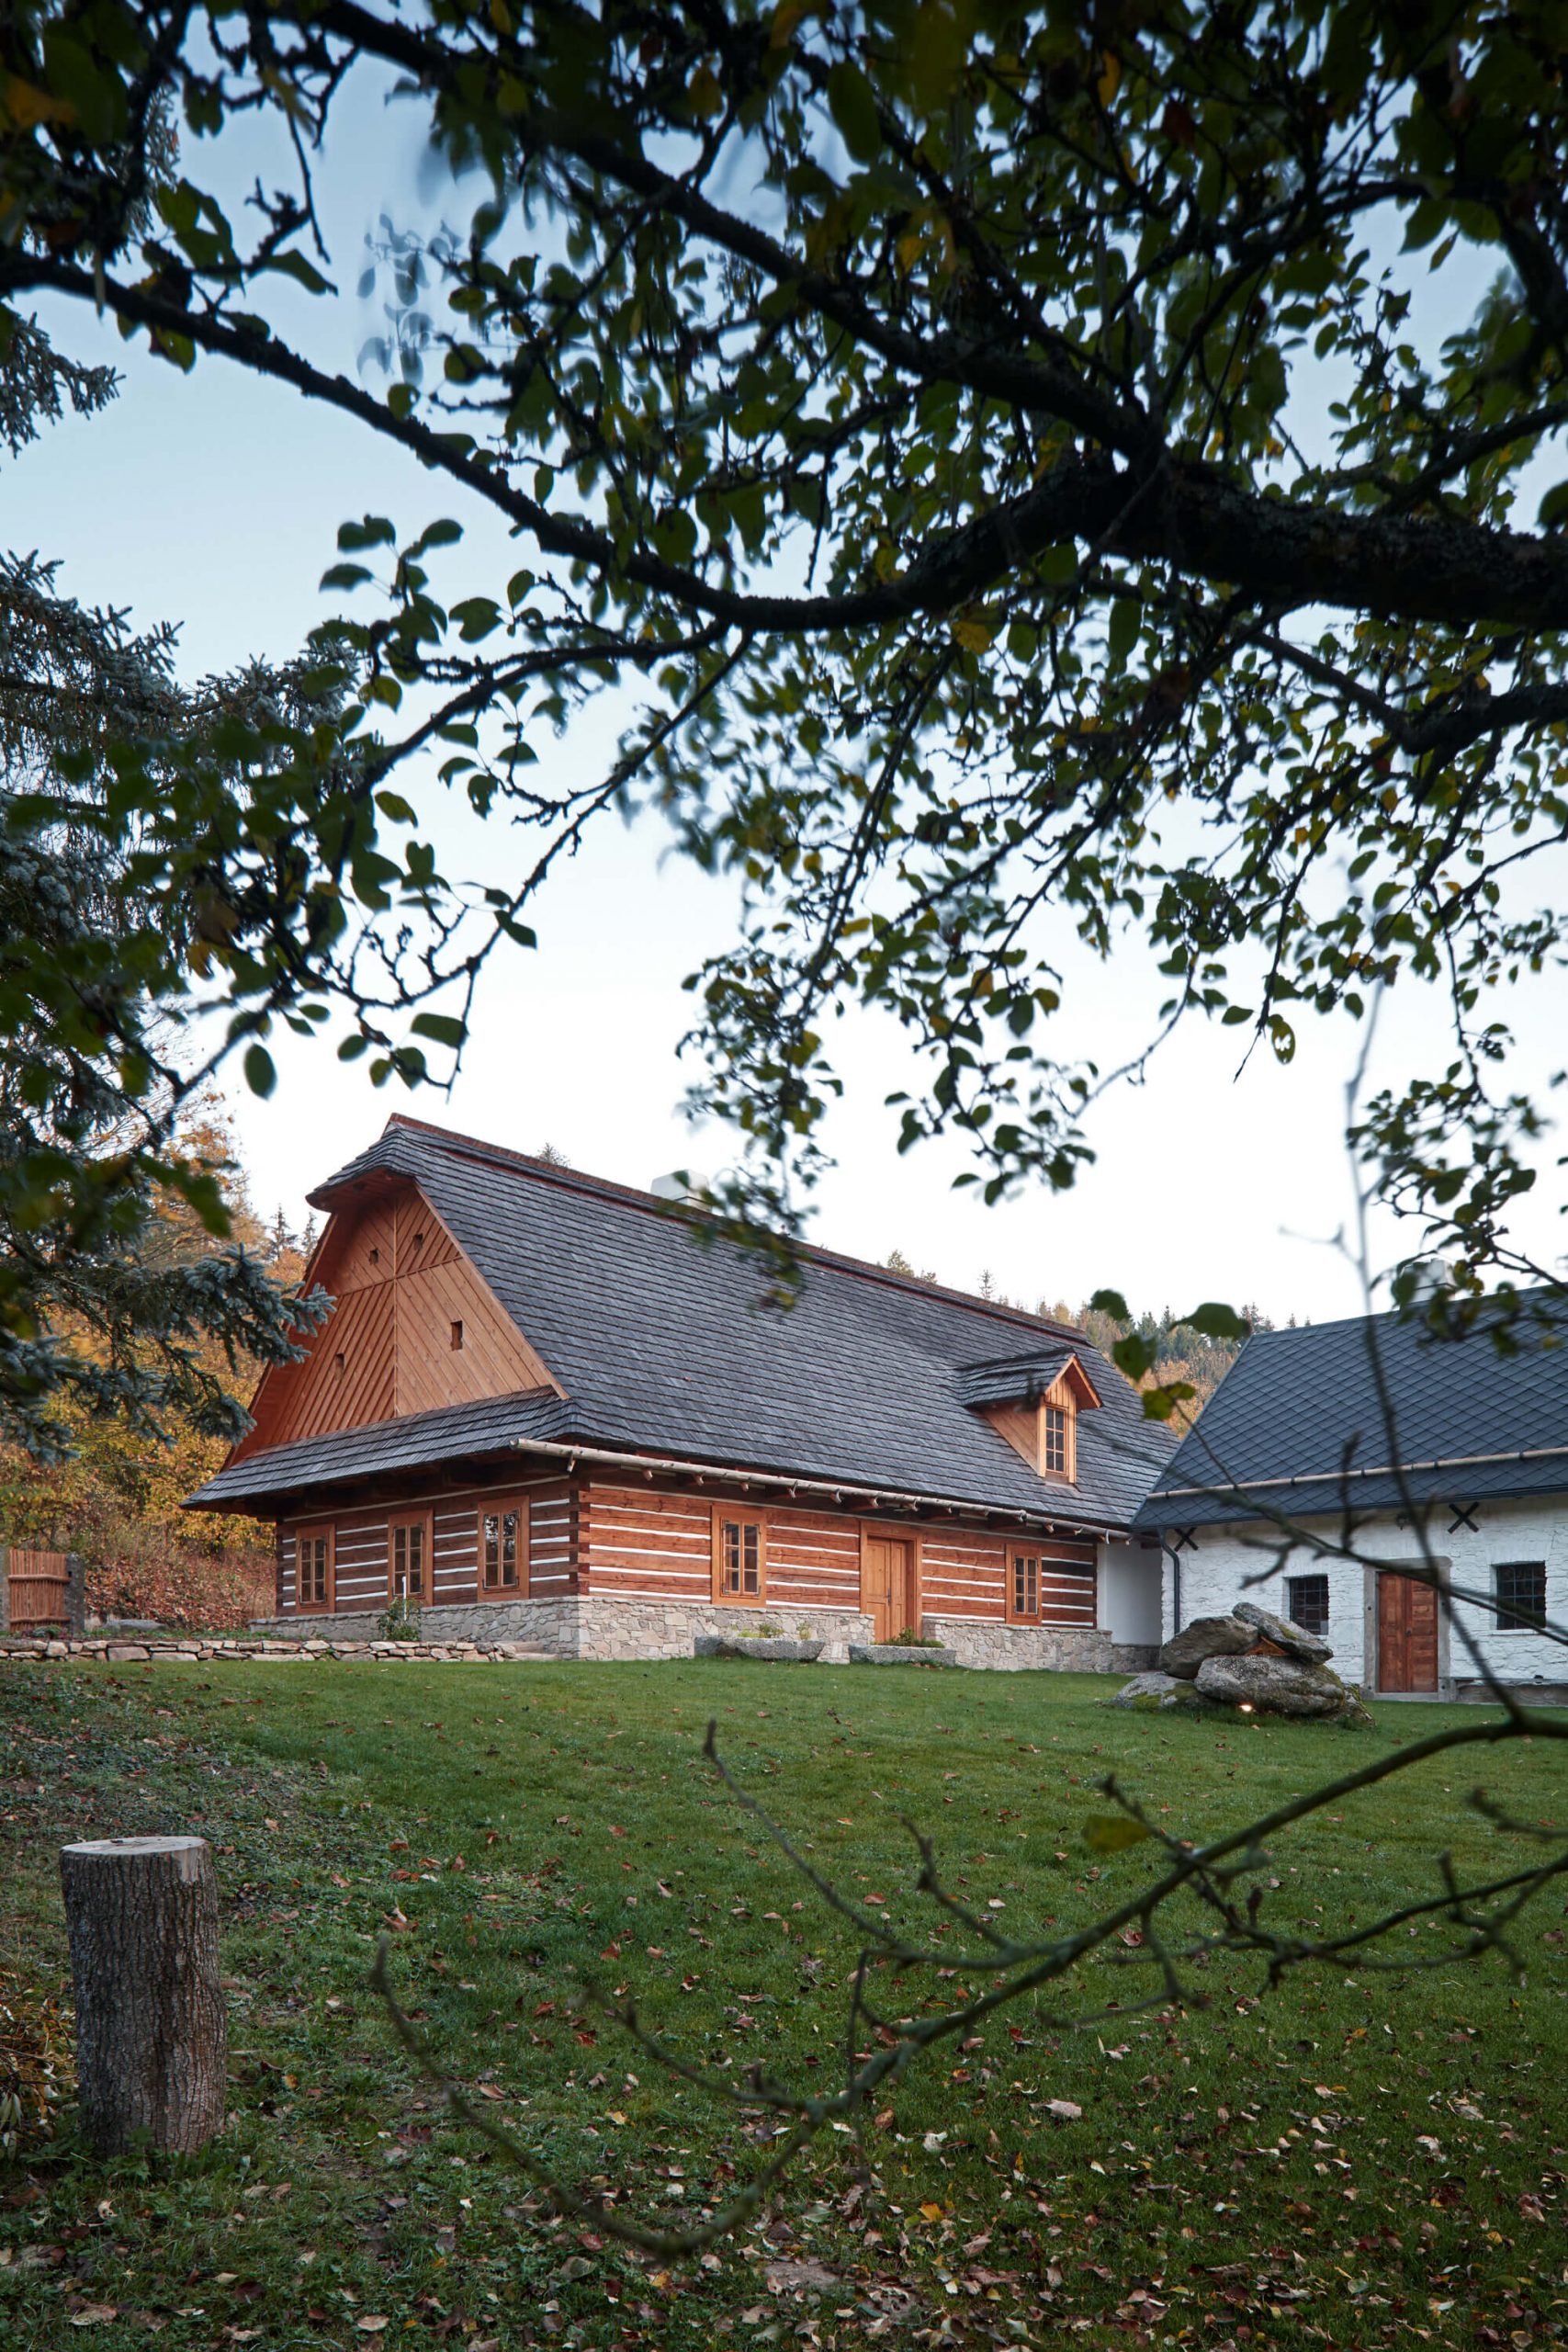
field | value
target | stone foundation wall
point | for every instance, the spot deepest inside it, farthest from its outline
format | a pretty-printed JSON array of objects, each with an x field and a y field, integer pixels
[
  {"x": 159, "y": 1649},
  {"x": 641, "y": 1629},
  {"x": 985, "y": 1641},
  {"x": 593, "y": 1625},
  {"x": 535, "y": 1624}
]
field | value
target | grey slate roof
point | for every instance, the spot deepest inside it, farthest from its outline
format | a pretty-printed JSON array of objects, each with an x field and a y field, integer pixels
[
  {"x": 1297, "y": 1423},
  {"x": 658, "y": 1337},
  {"x": 456, "y": 1433},
  {"x": 1005, "y": 1378}
]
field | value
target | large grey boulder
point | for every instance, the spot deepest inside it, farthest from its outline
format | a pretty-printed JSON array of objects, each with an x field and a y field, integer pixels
[
  {"x": 1205, "y": 1637},
  {"x": 1278, "y": 1686},
  {"x": 1150, "y": 1692},
  {"x": 1285, "y": 1634}
]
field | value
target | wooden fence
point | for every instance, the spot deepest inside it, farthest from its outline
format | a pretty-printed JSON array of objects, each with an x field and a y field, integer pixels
[{"x": 38, "y": 1586}]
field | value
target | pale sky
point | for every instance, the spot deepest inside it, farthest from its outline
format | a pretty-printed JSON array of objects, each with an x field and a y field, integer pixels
[{"x": 213, "y": 501}]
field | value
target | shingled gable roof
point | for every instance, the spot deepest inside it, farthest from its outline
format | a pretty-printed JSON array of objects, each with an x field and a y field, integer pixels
[
  {"x": 656, "y": 1336},
  {"x": 1297, "y": 1424}
]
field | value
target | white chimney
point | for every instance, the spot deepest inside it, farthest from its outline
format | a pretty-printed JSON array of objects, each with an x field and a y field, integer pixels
[{"x": 681, "y": 1184}]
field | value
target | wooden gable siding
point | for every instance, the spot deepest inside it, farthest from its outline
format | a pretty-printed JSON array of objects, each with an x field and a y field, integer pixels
[
  {"x": 1019, "y": 1425},
  {"x": 401, "y": 1284},
  {"x": 361, "y": 1537}
]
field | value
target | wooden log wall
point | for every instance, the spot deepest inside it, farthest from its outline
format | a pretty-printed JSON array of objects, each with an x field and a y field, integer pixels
[
  {"x": 361, "y": 1536},
  {"x": 656, "y": 1543}
]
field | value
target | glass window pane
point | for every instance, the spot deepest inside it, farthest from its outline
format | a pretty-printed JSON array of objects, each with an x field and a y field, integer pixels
[
  {"x": 1521, "y": 1596},
  {"x": 509, "y": 1547},
  {"x": 1308, "y": 1602}
]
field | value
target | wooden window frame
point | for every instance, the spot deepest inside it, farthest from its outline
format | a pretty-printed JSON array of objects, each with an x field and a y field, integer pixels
[
  {"x": 423, "y": 1518},
  {"x": 1058, "y": 1398},
  {"x": 495, "y": 1507},
  {"x": 741, "y": 1515},
  {"x": 1017, "y": 1555},
  {"x": 311, "y": 1532}
]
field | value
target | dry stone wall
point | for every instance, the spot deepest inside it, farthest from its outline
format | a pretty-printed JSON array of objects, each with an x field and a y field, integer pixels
[{"x": 981, "y": 1642}]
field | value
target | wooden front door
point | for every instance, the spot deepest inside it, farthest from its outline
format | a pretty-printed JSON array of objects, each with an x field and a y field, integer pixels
[
  {"x": 889, "y": 1589},
  {"x": 408, "y": 1560},
  {"x": 1407, "y": 1634}
]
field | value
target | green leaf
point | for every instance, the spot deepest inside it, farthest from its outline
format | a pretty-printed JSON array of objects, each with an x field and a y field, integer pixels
[
  {"x": 1126, "y": 619},
  {"x": 1112, "y": 1833},
  {"x": 854, "y": 109},
  {"x": 260, "y": 1075},
  {"x": 1215, "y": 1320},
  {"x": 1111, "y": 1302},
  {"x": 1554, "y": 507},
  {"x": 1135, "y": 1355},
  {"x": 443, "y": 1026}
]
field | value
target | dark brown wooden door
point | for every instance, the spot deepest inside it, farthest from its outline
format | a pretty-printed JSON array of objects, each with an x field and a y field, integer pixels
[
  {"x": 1407, "y": 1634},
  {"x": 887, "y": 1585}
]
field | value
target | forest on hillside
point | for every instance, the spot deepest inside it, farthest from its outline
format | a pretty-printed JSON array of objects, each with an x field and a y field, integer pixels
[{"x": 1181, "y": 1354}]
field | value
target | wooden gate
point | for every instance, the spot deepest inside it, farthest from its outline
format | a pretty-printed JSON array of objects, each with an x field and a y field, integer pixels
[
  {"x": 41, "y": 1587},
  {"x": 1407, "y": 1634}
]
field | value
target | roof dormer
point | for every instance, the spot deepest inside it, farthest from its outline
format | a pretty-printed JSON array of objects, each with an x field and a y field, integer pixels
[{"x": 1033, "y": 1402}]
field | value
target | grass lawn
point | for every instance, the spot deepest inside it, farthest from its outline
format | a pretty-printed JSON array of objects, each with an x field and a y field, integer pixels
[{"x": 1356, "y": 2160}]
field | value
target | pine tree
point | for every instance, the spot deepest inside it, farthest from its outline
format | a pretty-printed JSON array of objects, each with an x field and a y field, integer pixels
[{"x": 129, "y": 1282}]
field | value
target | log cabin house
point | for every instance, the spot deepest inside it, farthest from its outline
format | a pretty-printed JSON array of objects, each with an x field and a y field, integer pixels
[{"x": 555, "y": 1410}]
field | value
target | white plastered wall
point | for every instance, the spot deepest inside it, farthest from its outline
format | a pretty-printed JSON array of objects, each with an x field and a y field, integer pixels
[
  {"x": 1225, "y": 1563},
  {"x": 1129, "y": 1592}
]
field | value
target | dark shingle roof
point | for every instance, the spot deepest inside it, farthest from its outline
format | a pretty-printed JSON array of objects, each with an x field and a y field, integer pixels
[
  {"x": 657, "y": 1335},
  {"x": 1005, "y": 1378},
  {"x": 1298, "y": 1424},
  {"x": 456, "y": 1433}
]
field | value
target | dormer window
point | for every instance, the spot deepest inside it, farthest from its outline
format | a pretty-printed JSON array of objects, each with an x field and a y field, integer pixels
[{"x": 1034, "y": 1402}]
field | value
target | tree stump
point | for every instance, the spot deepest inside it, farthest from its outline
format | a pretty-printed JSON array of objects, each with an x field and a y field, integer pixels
[{"x": 151, "y": 2039}]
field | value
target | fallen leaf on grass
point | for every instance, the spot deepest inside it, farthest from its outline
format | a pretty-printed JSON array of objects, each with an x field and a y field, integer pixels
[
  {"x": 1066, "y": 2111},
  {"x": 94, "y": 2314},
  {"x": 372, "y": 2323},
  {"x": 800, "y": 2275}
]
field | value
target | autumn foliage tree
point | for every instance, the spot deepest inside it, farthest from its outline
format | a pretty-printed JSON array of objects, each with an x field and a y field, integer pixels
[{"x": 112, "y": 1490}]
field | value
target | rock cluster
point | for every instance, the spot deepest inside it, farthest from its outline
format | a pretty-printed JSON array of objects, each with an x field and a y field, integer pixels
[{"x": 1251, "y": 1660}]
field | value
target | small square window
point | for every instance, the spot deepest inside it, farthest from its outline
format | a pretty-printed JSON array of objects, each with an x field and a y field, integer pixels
[
  {"x": 1520, "y": 1586},
  {"x": 1307, "y": 1603},
  {"x": 457, "y": 1335}
]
